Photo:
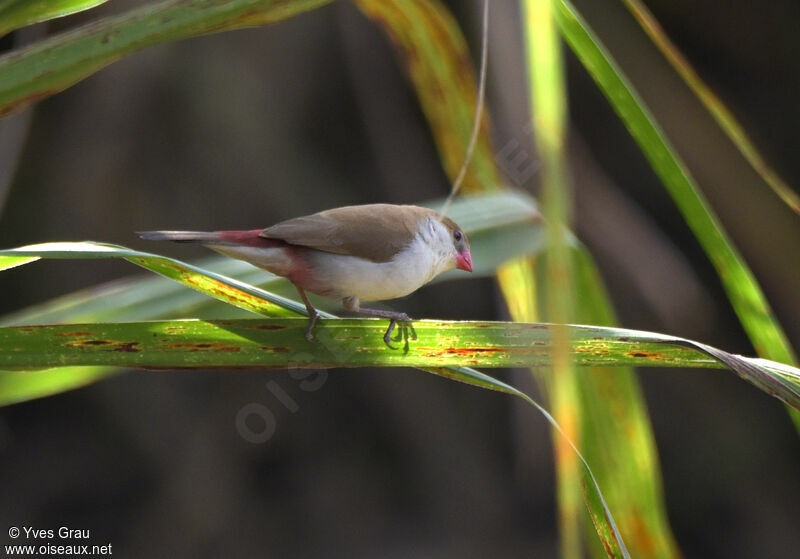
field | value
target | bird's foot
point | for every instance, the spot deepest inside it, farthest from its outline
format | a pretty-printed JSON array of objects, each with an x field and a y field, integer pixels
[
  {"x": 403, "y": 335},
  {"x": 352, "y": 305}
]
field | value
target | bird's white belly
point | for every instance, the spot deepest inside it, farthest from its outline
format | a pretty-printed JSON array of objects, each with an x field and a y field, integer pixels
[{"x": 351, "y": 276}]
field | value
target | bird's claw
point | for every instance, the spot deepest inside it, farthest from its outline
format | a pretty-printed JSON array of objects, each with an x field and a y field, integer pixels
[{"x": 387, "y": 337}]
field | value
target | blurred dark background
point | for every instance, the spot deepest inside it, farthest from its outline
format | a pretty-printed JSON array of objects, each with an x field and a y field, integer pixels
[{"x": 239, "y": 130}]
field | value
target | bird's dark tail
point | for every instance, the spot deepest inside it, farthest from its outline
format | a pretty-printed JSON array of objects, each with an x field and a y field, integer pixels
[
  {"x": 180, "y": 236},
  {"x": 228, "y": 238}
]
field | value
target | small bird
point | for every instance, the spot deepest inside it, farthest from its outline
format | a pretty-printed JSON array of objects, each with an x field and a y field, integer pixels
[{"x": 372, "y": 252}]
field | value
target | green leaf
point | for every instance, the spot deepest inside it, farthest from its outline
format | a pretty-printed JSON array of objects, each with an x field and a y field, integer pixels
[
  {"x": 191, "y": 343},
  {"x": 34, "y": 73},
  {"x": 281, "y": 343},
  {"x": 19, "y": 13}
]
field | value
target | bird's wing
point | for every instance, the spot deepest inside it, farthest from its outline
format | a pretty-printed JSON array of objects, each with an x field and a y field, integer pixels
[{"x": 353, "y": 230}]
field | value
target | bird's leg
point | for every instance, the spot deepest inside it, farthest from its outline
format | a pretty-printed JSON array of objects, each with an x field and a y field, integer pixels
[
  {"x": 352, "y": 305},
  {"x": 313, "y": 315}
]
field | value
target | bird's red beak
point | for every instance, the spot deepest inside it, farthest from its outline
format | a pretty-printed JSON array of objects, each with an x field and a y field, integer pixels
[{"x": 464, "y": 261}]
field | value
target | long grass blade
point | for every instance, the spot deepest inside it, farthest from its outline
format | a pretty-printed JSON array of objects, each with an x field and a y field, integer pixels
[{"x": 280, "y": 343}]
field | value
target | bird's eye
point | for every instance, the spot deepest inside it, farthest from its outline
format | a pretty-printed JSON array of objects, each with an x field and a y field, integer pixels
[{"x": 457, "y": 235}]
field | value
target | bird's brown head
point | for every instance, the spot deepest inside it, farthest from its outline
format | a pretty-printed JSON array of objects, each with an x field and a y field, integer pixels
[{"x": 460, "y": 244}]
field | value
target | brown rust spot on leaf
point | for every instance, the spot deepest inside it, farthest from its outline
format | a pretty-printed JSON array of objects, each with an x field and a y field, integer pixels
[
  {"x": 593, "y": 349},
  {"x": 482, "y": 350},
  {"x": 646, "y": 354},
  {"x": 90, "y": 342},
  {"x": 460, "y": 351},
  {"x": 127, "y": 347},
  {"x": 31, "y": 328},
  {"x": 471, "y": 351},
  {"x": 74, "y": 334},
  {"x": 267, "y": 327}
]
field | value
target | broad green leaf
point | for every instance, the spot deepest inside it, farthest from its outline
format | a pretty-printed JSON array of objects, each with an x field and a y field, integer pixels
[
  {"x": 724, "y": 117},
  {"x": 280, "y": 343},
  {"x": 34, "y": 73},
  {"x": 19, "y": 13}
]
